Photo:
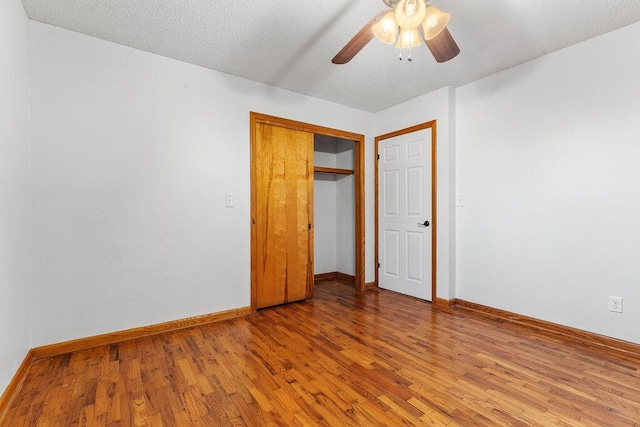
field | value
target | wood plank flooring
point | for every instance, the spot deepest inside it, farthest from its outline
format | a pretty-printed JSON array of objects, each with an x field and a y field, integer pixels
[{"x": 342, "y": 358}]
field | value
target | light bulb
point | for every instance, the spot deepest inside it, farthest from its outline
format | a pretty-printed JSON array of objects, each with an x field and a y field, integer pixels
[
  {"x": 410, "y": 7},
  {"x": 410, "y": 13}
]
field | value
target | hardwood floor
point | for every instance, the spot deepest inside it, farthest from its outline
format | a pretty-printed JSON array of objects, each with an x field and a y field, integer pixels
[{"x": 343, "y": 358}]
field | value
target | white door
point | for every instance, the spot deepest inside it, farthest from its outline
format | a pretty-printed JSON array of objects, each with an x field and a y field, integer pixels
[{"x": 404, "y": 214}]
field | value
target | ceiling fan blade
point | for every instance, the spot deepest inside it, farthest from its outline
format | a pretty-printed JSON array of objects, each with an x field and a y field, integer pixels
[
  {"x": 443, "y": 46},
  {"x": 360, "y": 40}
]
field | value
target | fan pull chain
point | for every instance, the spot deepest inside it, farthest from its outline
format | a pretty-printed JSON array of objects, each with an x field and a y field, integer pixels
[{"x": 409, "y": 57}]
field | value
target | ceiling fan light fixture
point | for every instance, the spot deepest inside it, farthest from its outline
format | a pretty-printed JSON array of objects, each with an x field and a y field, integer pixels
[
  {"x": 434, "y": 22},
  {"x": 386, "y": 29},
  {"x": 408, "y": 38},
  {"x": 410, "y": 13},
  {"x": 403, "y": 25}
]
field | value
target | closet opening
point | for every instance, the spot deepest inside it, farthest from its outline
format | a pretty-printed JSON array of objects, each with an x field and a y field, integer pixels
[
  {"x": 334, "y": 209},
  {"x": 291, "y": 223}
]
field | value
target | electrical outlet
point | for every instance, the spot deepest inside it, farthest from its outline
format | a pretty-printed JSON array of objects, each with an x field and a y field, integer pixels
[{"x": 615, "y": 304}]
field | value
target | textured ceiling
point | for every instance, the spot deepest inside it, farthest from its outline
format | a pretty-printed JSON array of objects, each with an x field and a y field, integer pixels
[{"x": 290, "y": 43}]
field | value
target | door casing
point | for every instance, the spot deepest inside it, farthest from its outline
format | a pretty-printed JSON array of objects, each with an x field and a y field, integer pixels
[
  {"x": 434, "y": 222},
  {"x": 359, "y": 190}
]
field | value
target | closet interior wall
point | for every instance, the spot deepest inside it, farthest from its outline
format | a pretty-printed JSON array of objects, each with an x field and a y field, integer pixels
[{"x": 334, "y": 207}]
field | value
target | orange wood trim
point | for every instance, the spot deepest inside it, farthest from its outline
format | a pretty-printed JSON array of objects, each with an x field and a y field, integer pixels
[
  {"x": 321, "y": 169},
  {"x": 337, "y": 276},
  {"x": 376, "y": 258},
  {"x": 371, "y": 286},
  {"x": 254, "y": 210},
  {"x": 444, "y": 304},
  {"x": 129, "y": 334},
  {"x": 358, "y": 172},
  {"x": 343, "y": 277},
  {"x": 325, "y": 276},
  {"x": 15, "y": 384},
  {"x": 434, "y": 209},
  {"x": 404, "y": 131},
  {"x": 589, "y": 339},
  {"x": 434, "y": 161},
  {"x": 312, "y": 222},
  {"x": 305, "y": 127},
  {"x": 358, "y": 160}
]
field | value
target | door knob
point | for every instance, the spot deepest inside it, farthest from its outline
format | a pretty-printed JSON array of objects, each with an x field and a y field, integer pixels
[{"x": 424, "y": 224}]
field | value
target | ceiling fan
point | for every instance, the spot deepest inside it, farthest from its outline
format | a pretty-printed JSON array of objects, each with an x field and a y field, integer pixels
[{"x": 410, "y": 22}]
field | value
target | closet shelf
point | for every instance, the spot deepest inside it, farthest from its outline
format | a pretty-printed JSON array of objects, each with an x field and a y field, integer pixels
[{"x": 335, "y": 171}]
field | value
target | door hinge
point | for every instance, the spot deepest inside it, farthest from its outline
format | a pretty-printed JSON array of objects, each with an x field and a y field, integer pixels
[
  {"x": 378, "y": 156},
  {"x": 378, "y": 265},
  {"x": 309, "y": 226}
]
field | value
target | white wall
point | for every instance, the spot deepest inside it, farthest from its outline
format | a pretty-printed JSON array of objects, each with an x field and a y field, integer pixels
[
  {"x": 548, "y": 164},
  {"x": 334, "y": 208},
  {"x": 14, "y": 189},
  {"x": 132, "y": 156},
  {"x": 324, "y": 206},
  {"x": 324, "y": 218},
  {"x": 433, "y": 106},
  {"x": 346, "y": 210}
]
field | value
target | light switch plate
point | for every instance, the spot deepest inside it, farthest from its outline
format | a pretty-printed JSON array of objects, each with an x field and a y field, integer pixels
[{"x": 229, "y": 200}]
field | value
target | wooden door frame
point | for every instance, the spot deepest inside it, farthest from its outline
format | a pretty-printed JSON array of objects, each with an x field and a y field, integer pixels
[
  {"x": 434, "y": 142},
  {"x": 358, "y": 167}
]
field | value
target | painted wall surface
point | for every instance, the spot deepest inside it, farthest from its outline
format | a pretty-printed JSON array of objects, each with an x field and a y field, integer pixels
[
  {"x": 334, "y": 210},
  {"x": 14, "y": 189},
  {"x": 346, "y": 210},
  {"x": 132, "y": 156},
  {"x": 432, "y": 106},
  {"x": 324, "y": 206},
  {"x": 324, "y": 233},
  {"x": 548, "y": 166}
]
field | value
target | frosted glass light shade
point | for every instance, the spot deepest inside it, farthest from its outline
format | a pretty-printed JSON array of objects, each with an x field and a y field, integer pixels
[
  {"x": 434, "y": 22},
  {"x": 410, "y": 13},
  {"x": 408, "y": 38},
  {"x": 386, "y": 29}
]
